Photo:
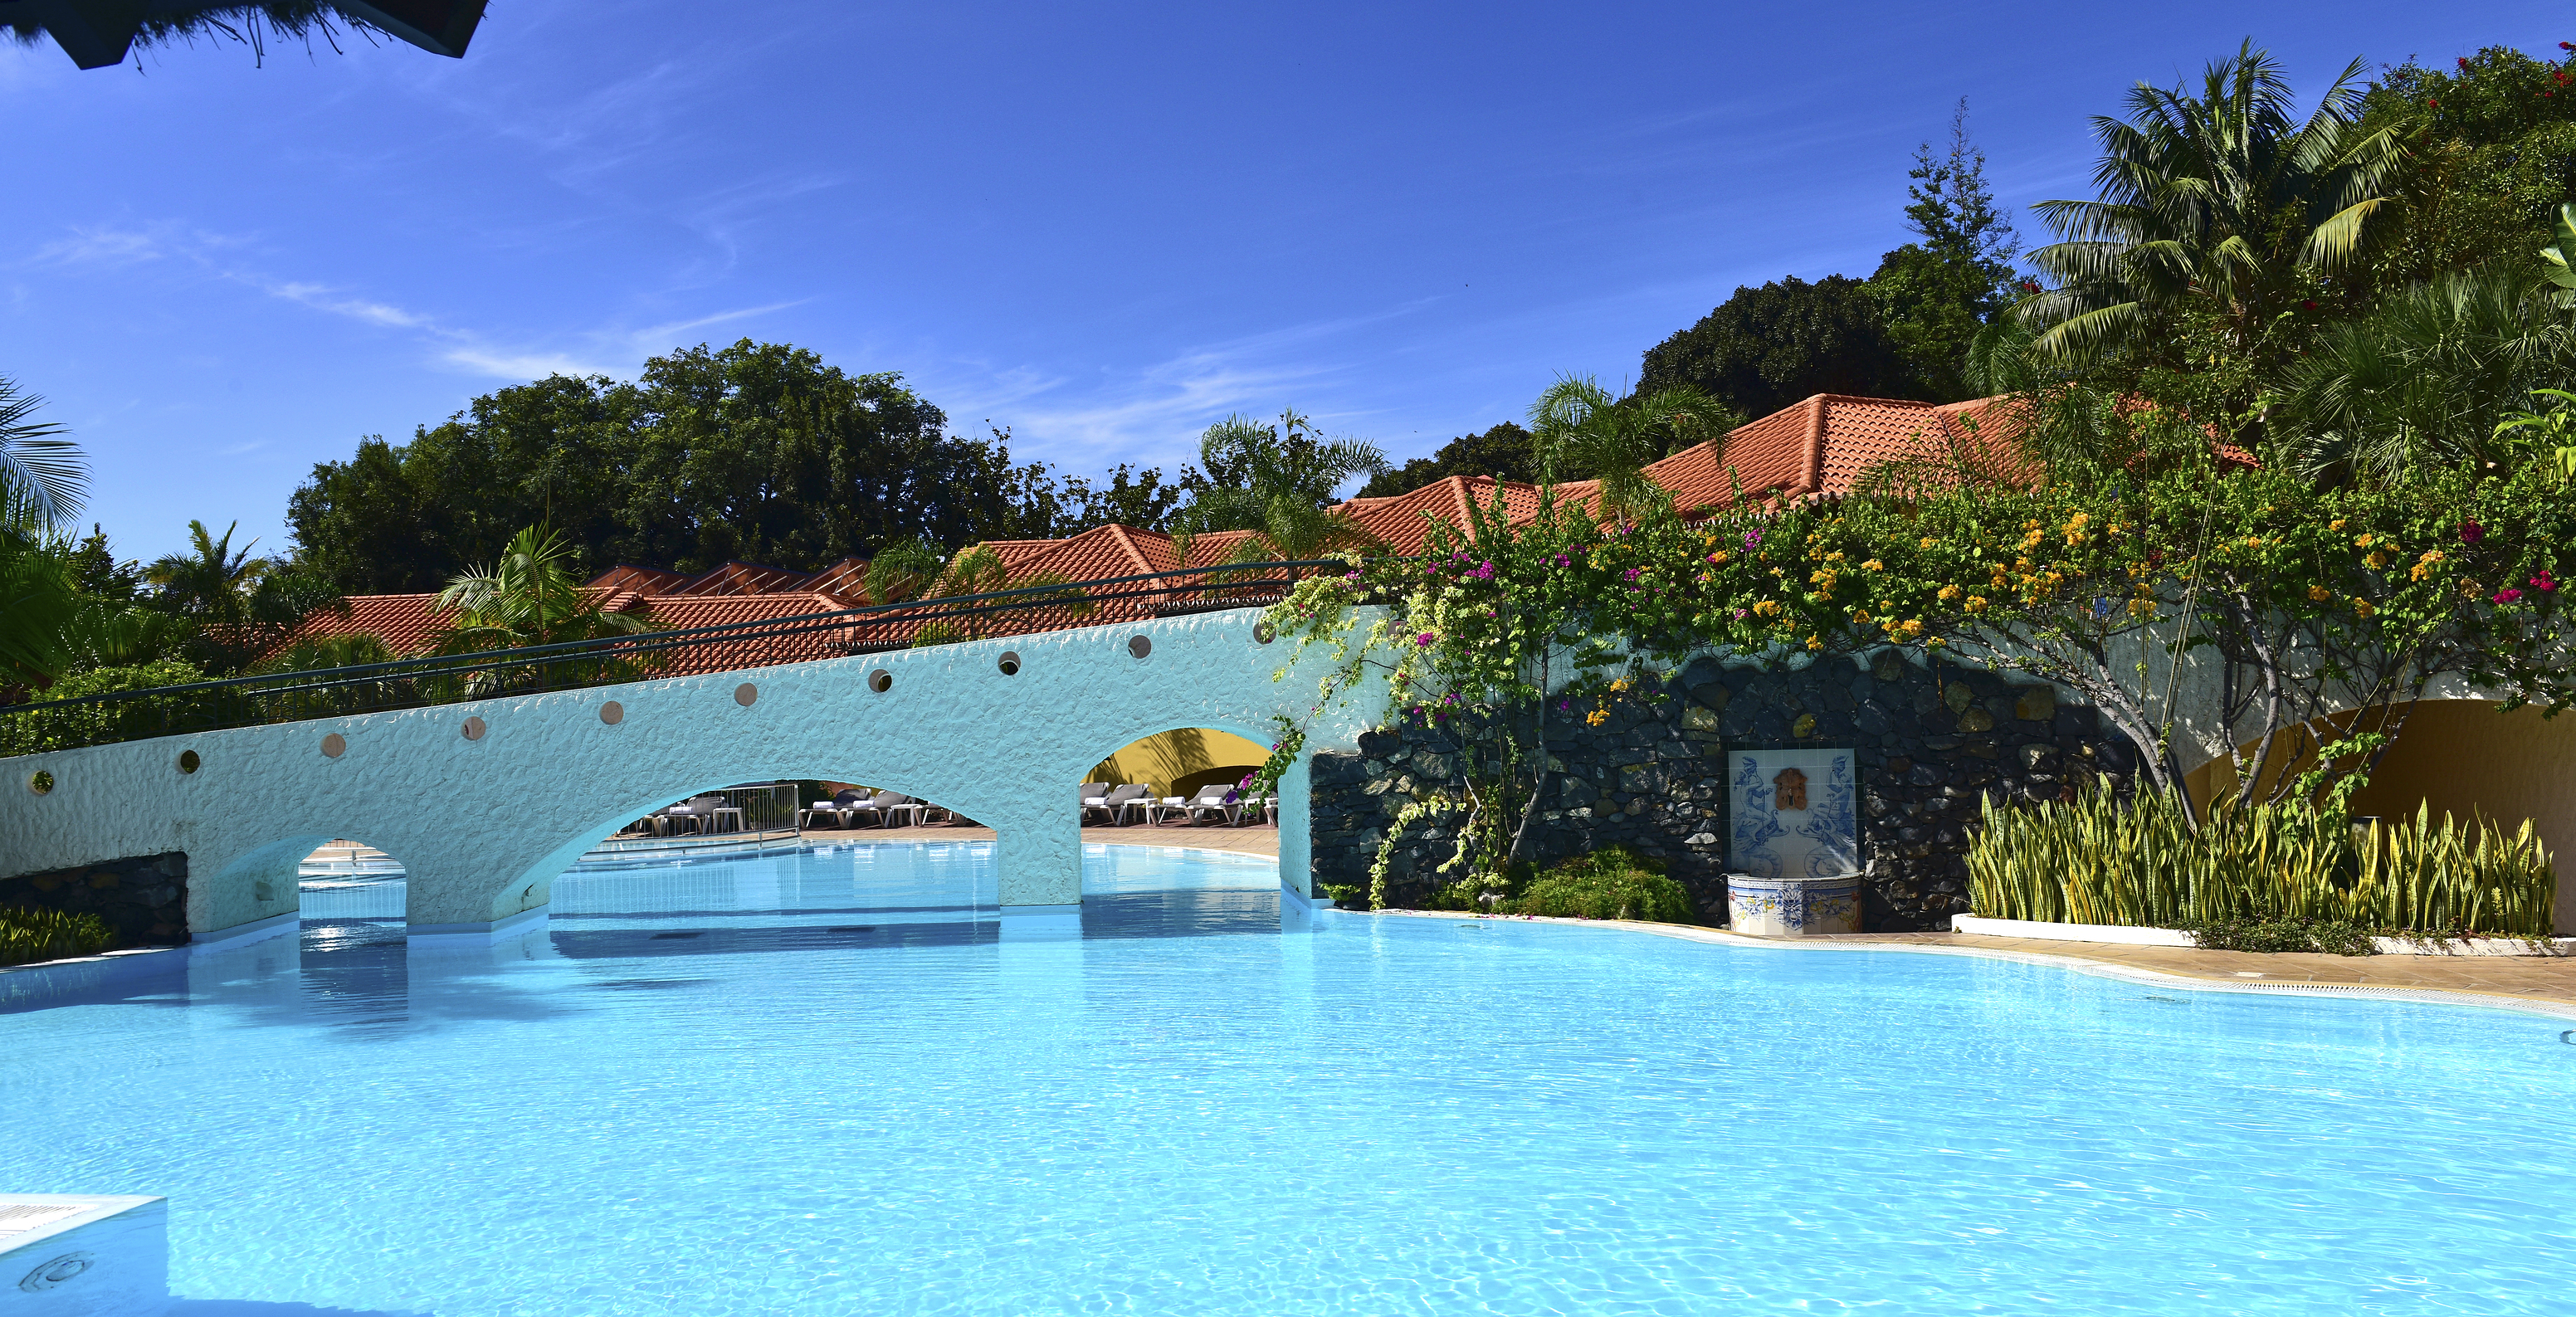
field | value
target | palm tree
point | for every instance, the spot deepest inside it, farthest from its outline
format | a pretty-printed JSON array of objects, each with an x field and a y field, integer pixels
[
  {"x": 527, "y": 597},
  {"x": 2428, "y": 377},
  {"x": 2223, "y": 203},
  {"x": 42, "y": 480},
  {"x": 1582, "y": 431},
  {"x": 213, "y": 588},
  {"x": 1278, "y": 481}
]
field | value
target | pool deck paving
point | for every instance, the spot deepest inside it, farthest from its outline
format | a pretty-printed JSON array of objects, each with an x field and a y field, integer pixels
[{"x": 2544, "y": 978}]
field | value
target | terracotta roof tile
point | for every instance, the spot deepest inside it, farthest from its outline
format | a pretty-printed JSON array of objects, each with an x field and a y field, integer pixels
[
  {"x": 628, "y": 576},
  {"x": 739, "y": 578}
]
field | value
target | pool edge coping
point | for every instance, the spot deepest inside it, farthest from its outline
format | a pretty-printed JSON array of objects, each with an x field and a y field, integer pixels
[{"x": 2080, "y": 964}]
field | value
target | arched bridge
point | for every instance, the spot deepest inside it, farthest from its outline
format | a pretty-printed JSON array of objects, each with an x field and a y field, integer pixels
[{"x": 484, "y": 802}]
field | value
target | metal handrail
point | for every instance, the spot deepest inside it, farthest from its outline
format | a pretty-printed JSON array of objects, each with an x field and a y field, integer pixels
[{"x": 399, "y": 683}]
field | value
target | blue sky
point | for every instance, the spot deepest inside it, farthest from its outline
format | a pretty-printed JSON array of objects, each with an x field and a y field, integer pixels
[{"x": 1102, "y": 229}]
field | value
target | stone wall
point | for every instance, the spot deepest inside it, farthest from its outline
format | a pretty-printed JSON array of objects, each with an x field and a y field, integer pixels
[
  {"x": 145, "y": 899},
  {"x": 1929, "y": 741}
]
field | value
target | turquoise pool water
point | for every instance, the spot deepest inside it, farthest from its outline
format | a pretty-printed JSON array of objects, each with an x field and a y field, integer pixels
[{"x": 835, "y": 1084}]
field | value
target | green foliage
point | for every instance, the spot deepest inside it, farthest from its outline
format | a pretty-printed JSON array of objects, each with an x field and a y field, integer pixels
[
  {"x": 1505, "y": 452},
  {"x": 2331, "y": 937},
  {"x": 41, "y": 729},
  {"x": 1937, "y": 294},
  {"x": 1765, "y": 348},
  {"x": 2144, "y": 862},
  {"x": 1277, "y": 480},
  {"x": 31, "y": 935},
  {"x": 1579, "y": 426},
  {"x": 42, "y": 478},
  {"x": 2221, "y": 218},
  {"x": 345, "y": 649},
  {"x": 1611, "y": 883},
  {"x": 2493, "y": 142},
  {"x": 37, "y": 610},
  {"x": 2426, "y": 377}
]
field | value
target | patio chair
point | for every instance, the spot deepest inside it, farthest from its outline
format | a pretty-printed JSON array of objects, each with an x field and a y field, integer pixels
[
  {"x": 1211, "y": 802},
  {"x": 883, "y": 806},
  {"x": 1130, "y": 797},
  {"x": 1094, "y": 798}
]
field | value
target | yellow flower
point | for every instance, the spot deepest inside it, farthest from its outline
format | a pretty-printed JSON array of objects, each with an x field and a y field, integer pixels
[
  {"x": 1913, "y": 626},
  {"x": 1620, "y": 684},
  {"x": 1767, "y": 607},
  {"x": 2336, "y": 524},
  {"x": 1875, "y": 565},
  {"x": 1976, "y": 603},
  {"x": 1597, "y": 717},
  {"x": 2377, "y": 559},
  {"x": 2363, "y": 542},
  {"x": 1719, "y": 557},
  {"x": 1928, "y": 542},
  {"x": 2319, "y": 593},
  {"x": 1815, "y": 643},
  {"x": 1835, "y": 556},
  {"x": 2141, "y": 607},
  {"x": 1949, "y": 592},
  {"x": 1860, "y": 615},
  {"x": 2361, "y": 607}
]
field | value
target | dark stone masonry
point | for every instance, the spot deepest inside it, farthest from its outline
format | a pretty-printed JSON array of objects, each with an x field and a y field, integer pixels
[
  {"x": 1928, "y": 742},
  {"x": 145, "y": 899}
]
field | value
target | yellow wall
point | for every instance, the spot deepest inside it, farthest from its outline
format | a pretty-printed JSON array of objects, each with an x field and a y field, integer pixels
[
  {"x": 1178, "y": 763},
  {"x": 2463, "y": 757}
]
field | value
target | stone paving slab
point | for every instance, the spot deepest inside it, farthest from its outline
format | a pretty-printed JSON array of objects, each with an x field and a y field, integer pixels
[{"x": 2545, "y": 978}]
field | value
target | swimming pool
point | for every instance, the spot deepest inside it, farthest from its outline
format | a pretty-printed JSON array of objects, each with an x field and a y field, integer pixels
[{"x": 834, "y": 1083}]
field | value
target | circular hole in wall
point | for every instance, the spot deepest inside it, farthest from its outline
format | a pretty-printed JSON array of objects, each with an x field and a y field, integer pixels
[
  {"x": 612, "y": 713},
  {"x": 42, "y": 783},
  {"x": 1264, "y": 632},
  {"x": 880, "y": 681},
  {"x": 334, "y": 745},
  {"x": 1009, "y": 664},
  {"x": 745, "y": 694},
  {"x": 188, "y": 761},
  {"x": 474, "y": 729},
  {"x": 1139, "y": 646}
]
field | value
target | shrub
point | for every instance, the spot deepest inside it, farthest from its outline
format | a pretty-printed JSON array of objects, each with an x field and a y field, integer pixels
[
  {"x": 38, "y": 729},
  {"x": 32, "y": 935},
  {"x": 2333, "y": 937},
  {"x": 1611, "y": 883},
  {"x": 2099, "y": 860}
]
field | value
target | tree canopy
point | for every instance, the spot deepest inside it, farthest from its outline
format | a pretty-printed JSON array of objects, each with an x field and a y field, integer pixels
[{"x": 757, "y": 451}]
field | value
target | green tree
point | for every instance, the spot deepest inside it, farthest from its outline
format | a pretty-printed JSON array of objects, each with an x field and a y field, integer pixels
[
  {"x": 2426, "y": 378},
  {"x": 1505, "y": 452},
  {"x": 2493, "y": 143},
  {"x": 1768, "y": 347},
  {"x": 527, "y": 596},
  {"x": 1580, "y": 426},
  {"x": 42, "y": 478},
  {"x": 42, "y": 483},
  {"x": 1278, "y": 480},
  {"x": 2221, "y": 219},
  {"x": 757, "y": 451},
  {"x": 1935, "y": 294}
]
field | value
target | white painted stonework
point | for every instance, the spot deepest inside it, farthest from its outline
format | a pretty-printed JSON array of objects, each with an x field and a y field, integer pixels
[{"x": 482, "y": 827}]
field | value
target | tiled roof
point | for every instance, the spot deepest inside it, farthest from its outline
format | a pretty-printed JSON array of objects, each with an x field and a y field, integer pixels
[
  {"x": 846, "y": 580},
  {"x": 403, "y": 621},
  {"x": 643, "y": 580},
  {"x": 740, "y": 578},
  {"x": 1403, "y": 521}
]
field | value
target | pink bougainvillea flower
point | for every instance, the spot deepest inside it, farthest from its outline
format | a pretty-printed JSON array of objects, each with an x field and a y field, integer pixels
[
  {"x": 2507, "y": 595},
  {"x": 2471, "y": 532},
  {"x": 1424, "y": 640},
  {"x": 2544, "y": 582}
]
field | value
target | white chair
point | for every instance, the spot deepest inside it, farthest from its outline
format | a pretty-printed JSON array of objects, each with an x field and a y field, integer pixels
[{"x": 1211, "y": 803}]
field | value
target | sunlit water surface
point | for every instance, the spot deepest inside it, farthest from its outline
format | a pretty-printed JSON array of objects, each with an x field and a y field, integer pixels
[{"x": 831, "y": 1083}]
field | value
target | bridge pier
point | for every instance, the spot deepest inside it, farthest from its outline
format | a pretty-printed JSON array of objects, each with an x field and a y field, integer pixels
[{"x": 1037, "y": 862}]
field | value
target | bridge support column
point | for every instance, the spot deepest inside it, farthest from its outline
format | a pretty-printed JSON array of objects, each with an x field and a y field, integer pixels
[{"x": 1038, "y": 863}]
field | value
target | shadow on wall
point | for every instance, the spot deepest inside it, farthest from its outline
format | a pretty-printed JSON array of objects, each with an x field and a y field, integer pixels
[
  {"x": 2466, "y": 758},
  {"x": 1179, "y": 762}
]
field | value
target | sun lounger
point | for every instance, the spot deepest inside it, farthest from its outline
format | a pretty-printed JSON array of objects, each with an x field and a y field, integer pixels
[
  {"x": 1211, "y": 802},
  {"x": 884, "y": 807}
]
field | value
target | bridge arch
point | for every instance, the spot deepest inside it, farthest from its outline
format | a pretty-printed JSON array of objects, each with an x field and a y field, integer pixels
[{"x": 486, "y": 802}]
